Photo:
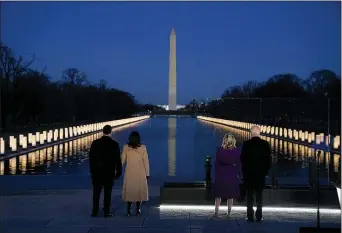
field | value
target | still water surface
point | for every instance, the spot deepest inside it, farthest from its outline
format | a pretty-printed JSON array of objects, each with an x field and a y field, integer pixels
[{"x": 177, "y": 148}]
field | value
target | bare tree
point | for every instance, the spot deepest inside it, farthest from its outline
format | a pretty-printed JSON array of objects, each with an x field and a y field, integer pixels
[
  {"x": 11, "y": 69},
  {"x": 74, "y": 77},
  {"x": 11, "y": 66},
  {"x": 103, "y": 85},
  {"x": 249, "y": 88}
]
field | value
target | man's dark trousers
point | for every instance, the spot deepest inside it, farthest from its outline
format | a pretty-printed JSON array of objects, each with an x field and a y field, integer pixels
[
  {"x": 250, "y": 199},
  {"x": 106, "y": 184}
]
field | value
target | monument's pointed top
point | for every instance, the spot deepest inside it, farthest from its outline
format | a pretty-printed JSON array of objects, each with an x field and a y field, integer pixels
[{"x": 173, "y": 31}]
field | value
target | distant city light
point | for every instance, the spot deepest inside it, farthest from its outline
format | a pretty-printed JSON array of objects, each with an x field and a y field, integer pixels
[{"x": 166, "y": 107}]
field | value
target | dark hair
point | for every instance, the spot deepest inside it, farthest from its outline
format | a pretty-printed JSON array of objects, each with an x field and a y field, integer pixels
[
  {"x": 107, "y": 129},
  {"x": 134, "y": 140}
]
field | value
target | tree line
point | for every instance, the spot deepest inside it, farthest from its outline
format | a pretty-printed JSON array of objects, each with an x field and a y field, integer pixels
[
  {"x": 30, "y": 98},
  {"x": 283, "y": 100}
]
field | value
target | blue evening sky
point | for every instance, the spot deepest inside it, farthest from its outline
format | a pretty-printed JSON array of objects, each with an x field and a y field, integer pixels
[{"x": 219, "y": 44}]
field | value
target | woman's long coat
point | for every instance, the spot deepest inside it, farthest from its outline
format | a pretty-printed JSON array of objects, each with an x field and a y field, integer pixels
[{"x": 137, "y": 168}]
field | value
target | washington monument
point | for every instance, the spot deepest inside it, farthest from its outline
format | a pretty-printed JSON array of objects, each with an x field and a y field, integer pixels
[{"x": 172, "y": 72}]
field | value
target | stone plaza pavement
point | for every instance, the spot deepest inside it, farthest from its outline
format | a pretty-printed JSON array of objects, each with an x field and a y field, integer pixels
[{"x": 68, "y": 211}]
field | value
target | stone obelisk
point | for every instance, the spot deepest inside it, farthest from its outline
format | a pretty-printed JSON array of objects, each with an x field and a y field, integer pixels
[{"x": 172, "y": 72}]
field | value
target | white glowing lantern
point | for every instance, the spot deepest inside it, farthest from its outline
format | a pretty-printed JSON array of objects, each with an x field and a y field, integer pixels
[
  {"x": 281, "y": 132},
  {"x": 337, "y": 142},
  {"x": 24, "y": 145},
  {"x": 61, "y": 134},
  {"x": 41, "y": 139},
  {"x": 263, "y": 129},
  {"x": 322, "y": 137},
  {"x": 313, "y": 135},
  {"x": 34, "y": 140},
  {"x": 55, "y": 135},
  {"x": 295, "y": 134},
  {"x": 21, "y": 140},
  {"x": 318, "y": 139},
  {"x": 306, "y": 135},
  {"x": 13, "y": 143},
  {"x": 302, "y": 136},
  {"x": 285, "y": 133},
  {"x": 272, "y": 130},
  {"x": 70, "y": 131},
  {"x": 276, "y": 131},
  {"x": 30, "y": 138},
  {"x": 2, "y": 146},
  {"x": 49, "y": 136},
  {"x": 66, "y": 134},
  {"x": 44, "y": 135},
  {"x": 290, "y": 133}
]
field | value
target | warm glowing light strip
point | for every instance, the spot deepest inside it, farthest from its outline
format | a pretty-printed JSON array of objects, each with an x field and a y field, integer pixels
[
  {"x": 292, "y": 134},
  {"x": 60, "y": 134},
  {"x": 244, "y": 208},
  {"x": 339, "y": 195}
]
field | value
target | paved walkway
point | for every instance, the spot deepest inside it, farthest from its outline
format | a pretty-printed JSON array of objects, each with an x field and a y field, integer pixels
[{"x": 68, "y": 211}]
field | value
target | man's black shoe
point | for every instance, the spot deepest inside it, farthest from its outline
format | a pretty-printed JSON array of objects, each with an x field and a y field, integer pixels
[
  {"x": 259, "y": 219},
  {"x": 249, "y": 220},
  {"x": 108, "y": 215},
  {"x": 94, "y": 214}
]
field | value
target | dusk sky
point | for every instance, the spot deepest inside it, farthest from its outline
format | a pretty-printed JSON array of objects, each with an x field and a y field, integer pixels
[{"x": 219, "y": 44}]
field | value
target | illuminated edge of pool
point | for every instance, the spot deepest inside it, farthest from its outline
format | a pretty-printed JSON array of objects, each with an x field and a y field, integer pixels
[
  {"x": 339, "y": 195},
  {"x": 243, "y": 208}
]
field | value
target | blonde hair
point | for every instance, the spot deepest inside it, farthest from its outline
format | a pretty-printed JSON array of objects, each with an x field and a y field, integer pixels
[{"x": 228, "y": 141}]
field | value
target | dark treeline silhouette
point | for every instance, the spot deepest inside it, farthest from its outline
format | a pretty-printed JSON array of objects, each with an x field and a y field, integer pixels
[
  {"x": 30, "y": 98},
  {"x": 283, "y": 100}
]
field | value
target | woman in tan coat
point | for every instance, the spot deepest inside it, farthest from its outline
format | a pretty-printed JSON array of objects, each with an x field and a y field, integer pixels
[{"x": 137, "y": 172}]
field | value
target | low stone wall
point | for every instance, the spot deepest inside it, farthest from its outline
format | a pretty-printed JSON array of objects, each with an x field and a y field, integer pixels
[
  {"x": 319, "y": 139},
  {"x": 30, "y": 141}
]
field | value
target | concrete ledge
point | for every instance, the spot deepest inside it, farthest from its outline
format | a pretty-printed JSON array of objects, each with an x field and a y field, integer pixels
[
  {"x": 320, "y": 230},
  {"x": 289, "y": 196}
]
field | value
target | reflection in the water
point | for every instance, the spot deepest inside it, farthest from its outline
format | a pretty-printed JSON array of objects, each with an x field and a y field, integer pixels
[
  {"x": 13, "y": 165},
  {"x": 54, "y": 158},
  {"x": 23, "y": 163},
  {"x": 286, "y": 153},
  {"x": 172, "y": 125},
  {"x": 2, "y": 167}
]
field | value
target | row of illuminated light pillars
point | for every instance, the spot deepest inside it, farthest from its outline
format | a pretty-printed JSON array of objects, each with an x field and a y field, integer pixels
[
  {"x": 39, "y": 157},
  {"x": 293, "y": 134},
  {"x": 50, "y": 155},
  {"x": 40, "y": 138},
  {"x": 296, "y": 151}
]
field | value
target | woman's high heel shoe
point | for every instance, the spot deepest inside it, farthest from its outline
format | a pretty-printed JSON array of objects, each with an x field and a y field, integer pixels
[
  {"x": 129, "y": 208},
  {"x": 138, "y": 208}
]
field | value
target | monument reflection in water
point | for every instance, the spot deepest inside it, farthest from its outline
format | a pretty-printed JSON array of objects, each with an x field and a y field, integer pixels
[{"x": 172, "y": 125}]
